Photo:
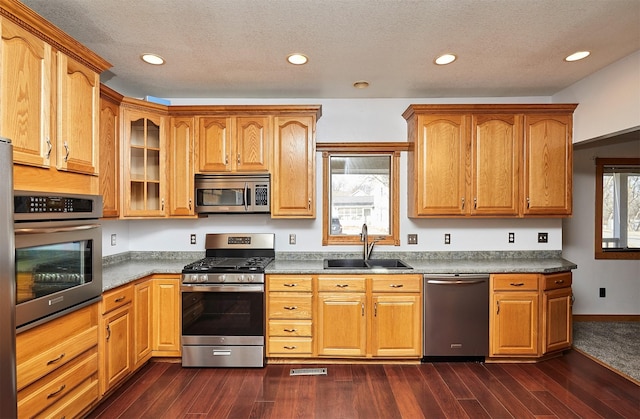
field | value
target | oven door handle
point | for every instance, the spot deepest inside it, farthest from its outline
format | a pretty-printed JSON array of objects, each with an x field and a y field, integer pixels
[
  {"x": 222, "y": 288},
  {"x": 55, "y": 229}
]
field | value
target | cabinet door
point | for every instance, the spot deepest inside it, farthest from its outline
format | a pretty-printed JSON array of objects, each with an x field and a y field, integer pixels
[
  {"x": 556, "y": 318},
  {"x": 548, "y": 165},
  {"x": 293, "y": 171},
  {"x": 25, "y": 95},
  {"x": 441, "y": 153},
  {"x": 144, "y": 164},
  {"x": 181, "y": 167},
  {"x": 396, "y": 325},
  {"x": 214, "y": 144},
  {"x": 78, "y": 115},
  {"x": 142, "y": 306},
  {"x": 513, "y": 325},
  {"x": 109, "y": 161},
  {"x": 252, "y": 139},
  {"x": 342, "y": 325},
  {"x": 166, "y": 317},
  {"x": 496, "y": 151},
  {"x": 117, "y": 344}
]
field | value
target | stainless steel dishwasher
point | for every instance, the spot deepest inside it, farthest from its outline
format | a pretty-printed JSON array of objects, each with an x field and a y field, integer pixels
[{"x": 456, "y": 315}]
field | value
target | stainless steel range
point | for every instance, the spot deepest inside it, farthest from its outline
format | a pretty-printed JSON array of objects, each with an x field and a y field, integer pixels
[{"x": 223, "y": 313}]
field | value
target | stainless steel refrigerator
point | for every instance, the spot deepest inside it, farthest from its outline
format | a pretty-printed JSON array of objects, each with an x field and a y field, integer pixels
[{"x": 8, "y": 396}]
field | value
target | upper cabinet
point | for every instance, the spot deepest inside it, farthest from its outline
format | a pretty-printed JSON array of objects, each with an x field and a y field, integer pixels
[
  {"x": 49, "y": 103},
  {"x": 110, "y": 151},
  {"x": 489, "y": 160},
  {"x": 143, "y": 161},
  {"x": 181, "y": 189},
  {"x": 234, "y": 144}
]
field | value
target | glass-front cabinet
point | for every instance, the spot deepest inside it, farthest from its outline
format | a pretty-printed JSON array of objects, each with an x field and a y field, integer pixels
[{"x": 144, "y": 164}]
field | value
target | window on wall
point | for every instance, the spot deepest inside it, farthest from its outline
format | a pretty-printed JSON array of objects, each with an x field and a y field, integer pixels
[
  {"x": 360, "y": 187},
  {"x": 617, "y": 208}
]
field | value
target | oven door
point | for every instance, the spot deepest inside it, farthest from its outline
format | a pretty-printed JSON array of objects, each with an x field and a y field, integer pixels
[
  {"x": 58, "y": 267},
  {"x": 223, "y": 314}
]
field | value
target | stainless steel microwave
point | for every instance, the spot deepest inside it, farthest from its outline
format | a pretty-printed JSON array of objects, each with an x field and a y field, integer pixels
[{"x": 241, "y": 194}]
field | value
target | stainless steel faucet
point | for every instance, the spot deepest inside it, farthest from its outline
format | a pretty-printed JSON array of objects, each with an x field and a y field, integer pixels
[{"x": 368, "y": 247}]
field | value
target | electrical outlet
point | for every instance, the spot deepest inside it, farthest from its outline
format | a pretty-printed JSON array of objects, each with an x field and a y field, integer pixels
[
  {"x": 447, "y": 238},
  {"x": 292, "y": 238},
  {"x": 193, "y": 239},
  {"x": 512, "y": 237},
  {"x": 113, "y": 239},
  {"x": 412, "y": 239},
  {"x": 543, "y": 237},
  {"x": 603, "y": 292}
]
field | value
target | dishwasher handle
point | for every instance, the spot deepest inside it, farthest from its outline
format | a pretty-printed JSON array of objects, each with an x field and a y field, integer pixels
[
  {"x": 455, "y": 279},
  {"x": 454, "y": 282}
]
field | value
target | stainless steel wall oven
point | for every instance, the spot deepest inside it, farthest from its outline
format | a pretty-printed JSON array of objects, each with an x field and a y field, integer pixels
[
  {"x": 223, "y": 302},
  {"x": 58, "y": 254}
]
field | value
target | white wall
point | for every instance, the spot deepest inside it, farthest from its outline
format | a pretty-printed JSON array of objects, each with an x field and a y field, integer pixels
[
  {"x": 343, "y": 120},
  {"x": 609, "y": 100},
  {"x": 621, "y": 278}
]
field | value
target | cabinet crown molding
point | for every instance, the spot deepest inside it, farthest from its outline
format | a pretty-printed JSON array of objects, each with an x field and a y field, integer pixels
[{"x": 489, "y": 108}]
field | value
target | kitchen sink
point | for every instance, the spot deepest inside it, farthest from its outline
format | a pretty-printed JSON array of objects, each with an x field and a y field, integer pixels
[{"x": 365, "y": 264}]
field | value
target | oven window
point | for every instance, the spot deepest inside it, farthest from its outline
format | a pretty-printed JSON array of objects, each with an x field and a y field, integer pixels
[
  {"x": 44, "y": 270},
  {"x": 223, "y": 314},
  {"x": 220, "y": 197}
]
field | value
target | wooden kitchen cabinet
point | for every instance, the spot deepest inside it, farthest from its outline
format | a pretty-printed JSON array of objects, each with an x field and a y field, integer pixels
[
  {"x": 143, "y": 160},
  {"x": 234, "y": 144},
  {"x": 142, "y": 330},
  {"x": 181, "y": 180},
  {"x": 110, "y": 151},
  {"x": 289, "y": 316},
  {"x": 166, "y": 316},
  {"x": 530, "y": 314},
  {"x": 293, "y": 170},
  {"x": 116, "y": 336},
  {"x": 548, "y": 164},
  {"x": 57, "y": 366},
  {"x": 489, "y": 160},
  {"x": 49, "y": 87}
]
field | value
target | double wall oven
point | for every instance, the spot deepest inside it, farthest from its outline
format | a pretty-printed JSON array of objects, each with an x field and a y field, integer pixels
[
  {"x": 223, "y": 302},
  {"x": 58, "y": 254}
]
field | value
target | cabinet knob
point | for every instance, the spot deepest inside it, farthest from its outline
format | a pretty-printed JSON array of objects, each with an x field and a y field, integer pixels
[
  {"x": 290, "y": 347},
  {"x": 238, "y": 159},
  {"x": 53, "y": 361},
  {"x": 290, "y": 285},
  {"x": 396, "y": 285},
  {"x": 66, "y": 147},
  {"x": 516, "y": 284},
  {"x": 290, "y": 307},
  {"x": 290, "y": 330},
  {"x": 55, "y": 393},
  {"x": 463, "y": 202},
  {"x": 342, "y": 285},
  {"x": 49, "y": 147}
]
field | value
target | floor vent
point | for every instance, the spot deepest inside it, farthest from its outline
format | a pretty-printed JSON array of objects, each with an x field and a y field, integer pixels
[{"x": 308, "y": 371}]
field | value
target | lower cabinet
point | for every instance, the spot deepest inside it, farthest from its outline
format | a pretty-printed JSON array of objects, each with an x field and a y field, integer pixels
[
  {"x": 166, "y": 316},
  {"x": 530, "y": 314},
  {"x": 57, "y": 366},
  {"x": 142, "y": 304}
]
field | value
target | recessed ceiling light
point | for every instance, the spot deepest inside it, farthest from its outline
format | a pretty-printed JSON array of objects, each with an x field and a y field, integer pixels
[
  {"x": 445, "y": 59},
  {"x": 578, "y": 56},
  {"x": 152, "y": 59},
  {"x": 297, "y": 59},
  {"x": 362, "y": 84}
]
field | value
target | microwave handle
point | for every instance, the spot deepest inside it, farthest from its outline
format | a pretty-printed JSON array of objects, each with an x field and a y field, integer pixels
[
  {"x": 246, "y": 196},
  {"x": 55, "y": 229}
]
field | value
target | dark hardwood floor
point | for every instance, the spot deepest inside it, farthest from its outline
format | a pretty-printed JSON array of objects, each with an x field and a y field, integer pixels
[{"x": 571, "y": 386}]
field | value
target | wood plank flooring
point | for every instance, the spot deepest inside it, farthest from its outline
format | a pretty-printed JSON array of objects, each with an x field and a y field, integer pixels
[{"x": 571, "y": 386}]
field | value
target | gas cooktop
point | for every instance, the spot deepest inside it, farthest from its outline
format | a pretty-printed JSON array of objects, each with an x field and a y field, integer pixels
[{"x": 228, "y": 264}]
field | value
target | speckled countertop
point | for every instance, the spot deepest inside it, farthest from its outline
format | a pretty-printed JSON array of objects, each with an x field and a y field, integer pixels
[{"x": 124, "y": 268}]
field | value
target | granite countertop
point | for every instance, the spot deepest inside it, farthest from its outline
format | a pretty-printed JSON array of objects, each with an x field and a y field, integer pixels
[{"x": 125, "y": 268}]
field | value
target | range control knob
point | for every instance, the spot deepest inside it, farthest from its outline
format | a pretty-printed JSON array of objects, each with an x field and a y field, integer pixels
[
  {"x": 251, "y": 278},
  {"x": 202, "y": 278},
  {"x": 222, "y": 278}
]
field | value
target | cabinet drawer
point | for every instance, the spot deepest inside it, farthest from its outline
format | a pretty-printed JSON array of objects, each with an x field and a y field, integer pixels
[
  {"x": 116, "y": 298},
  {"x": 341, "y": 284},
  {"x": 289, "y": 328},
  {"x": 290, "y": 346},
  {"x": 289, "y": 306},
  {"x": 559, "y": 280},
  {"x": 515, "y": 282},
  {"x": 57, "y": 385},
  {"x": 398, "y": 283},
  {"x": 289, "y": 283},
  {"x": 78, "y": 401}
]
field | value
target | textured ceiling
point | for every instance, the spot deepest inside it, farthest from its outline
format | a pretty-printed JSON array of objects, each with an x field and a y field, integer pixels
[{"x": 237, "y": 48}]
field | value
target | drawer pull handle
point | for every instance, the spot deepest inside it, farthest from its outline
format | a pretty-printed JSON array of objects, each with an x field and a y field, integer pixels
[
  {"x": 342, "y": 285},
  {"x": 53, "y": 361},
  {"x": 290, "y": 307},
  {"x": 290, "y": 347},
  {"x": 119, "y": 299},
  {"x": 55, "y": 393},
  {"x": 396, "y": 285},
  {"x": 290, "y": 330},
  {"x": 516, "y": 284},
  {"x": 559, "y": 281},
  {"x": 290, "y": 285}
]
